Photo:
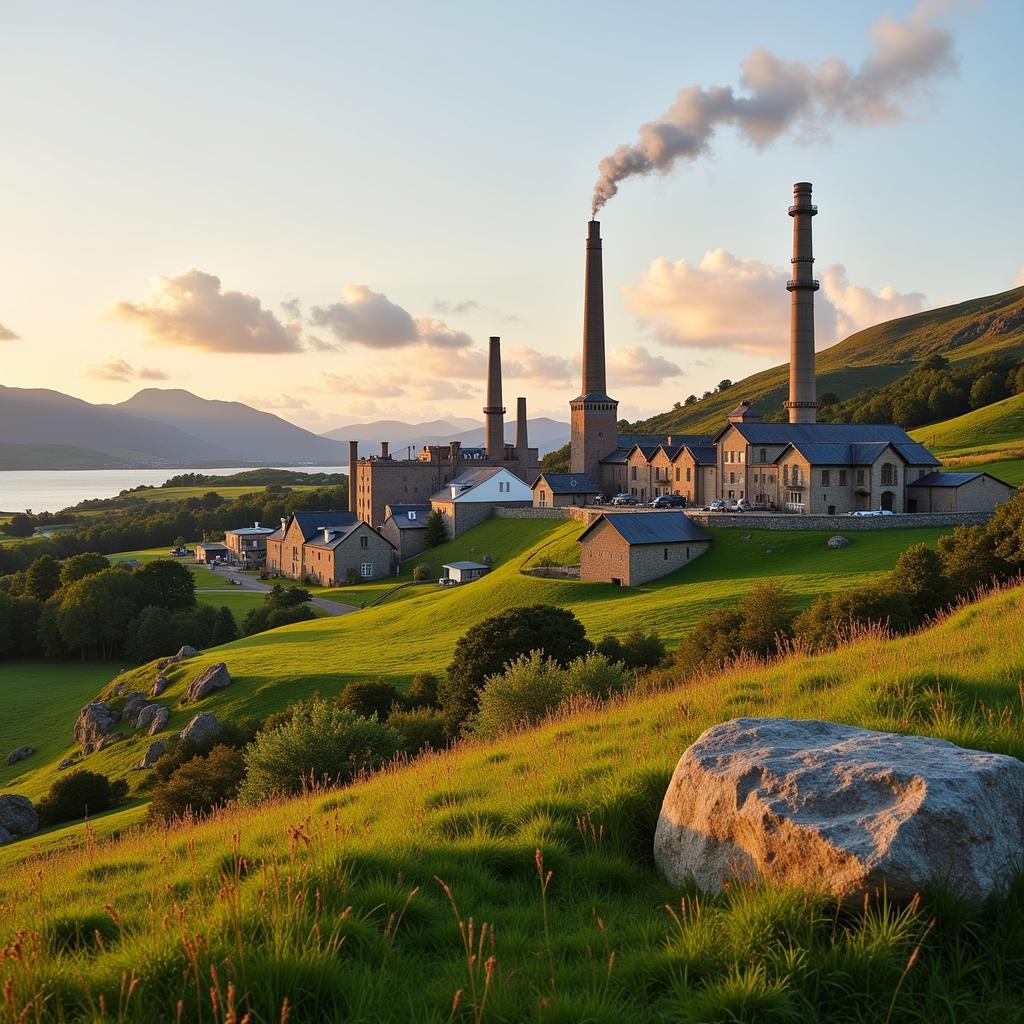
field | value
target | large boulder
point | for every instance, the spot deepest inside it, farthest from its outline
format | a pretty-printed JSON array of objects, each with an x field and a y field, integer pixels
[
  {"x": 145, "y": 718},
  {"x": 201, "y": 729},
  {"x": 212, "y": 678},
  {"x": 5, "y": 836},
  {"x": 133, "y": 704},
  {"x": 851, "y": 810},
  {"x": 153, "y": 753},
  {"x": 159, "y": 685},
  {"x": 19, "y": 755},
  {"x": 837, "y": 542},
  {"x": 17, "y": 814},
  {"x": 94, "y": 722},
  {"x": 183, "y": 653}
]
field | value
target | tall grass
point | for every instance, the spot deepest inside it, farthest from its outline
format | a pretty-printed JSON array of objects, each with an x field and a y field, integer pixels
[{"x": 513, "y": 880}]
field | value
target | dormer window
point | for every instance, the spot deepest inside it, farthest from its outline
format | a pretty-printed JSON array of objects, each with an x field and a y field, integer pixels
[{"x": 412, "y": 515}]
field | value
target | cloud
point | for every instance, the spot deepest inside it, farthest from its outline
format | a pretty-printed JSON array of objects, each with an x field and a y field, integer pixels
[
  {"x": 633, "y": 364},
  {"x": 369, "y": 318},
  {"x": 1018, "y": 282},
  {"x": 780, "y": 96},
  {"x": 6, "y": 334},
  {"x": 407, "y": 387},
  {"x": 729, "y": 303},
  {"x": 456, "y": 306},
  {"x": 525, "y": 363},
  {"x": 120, "y": 370},
  {"x": 858, "y": 307},
  {"x": 189, "y": 309}
]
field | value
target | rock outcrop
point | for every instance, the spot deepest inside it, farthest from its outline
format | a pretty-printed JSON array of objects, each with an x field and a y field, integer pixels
[
  {"x": 837, "y": 542},
  {"x": 19, "y": 755},
  {"x": 133, "y": 704},
  {"x": 201, "y": 729},
  {"x": 215, "y": 677},
  {"x": 17, "y": 815},
  {"x": 851, "y": 810},
  {"x": 68, "y": 762},
  {"x": 94, "y": 722},
  {"x": 148, "y": 714},
  {"x": 153, "y": 753},
  {"x": 159, "y": 685},
  {"x": 183, "y": 653}
]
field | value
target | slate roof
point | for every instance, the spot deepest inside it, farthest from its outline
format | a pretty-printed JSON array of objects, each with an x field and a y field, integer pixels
[
  {"x": 845, "y": 434},
  {"x": 952, "y": 480},
  {"x": 252, "y": 531},
  {"x": 468, "y": 479},
  {"x": 703, "y": 455},
  {"x": 310, "y": 523},
  {"x": 399, "y": 515},
  {"x": 569, "y": 483},
  {"x": 465, "y": 565},
  {"x": 651, "y": 527}
]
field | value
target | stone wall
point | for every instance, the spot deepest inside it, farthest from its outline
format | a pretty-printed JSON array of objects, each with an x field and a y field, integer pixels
[{"x": 837, "y": 524}]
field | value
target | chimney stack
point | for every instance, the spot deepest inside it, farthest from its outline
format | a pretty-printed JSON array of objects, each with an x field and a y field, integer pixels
[
  {"x": 384, "y": 450},
  {"x": 454, "y": 451},
  {"x": 594, "y": 379},
  {"x": 353, "y": 458},
  {"x": 494, "y": 411},
  {"x": 522, "y": 431},
  {"x": 802, "y": 404}
]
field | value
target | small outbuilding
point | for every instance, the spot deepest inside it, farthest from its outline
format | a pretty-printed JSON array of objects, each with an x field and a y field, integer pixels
[
  {"x": 957, "y": 492},
  {"x": 465, "y": 572},
  {"x": 405, "y": 526},
  {"x": 208, "y": 553},
  {"x": 631, "y": 548},
  {"x": 557, "y": 490}
]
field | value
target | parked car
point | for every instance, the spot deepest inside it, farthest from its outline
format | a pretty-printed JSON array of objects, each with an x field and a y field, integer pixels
[
  {"x": 624, "y": 499},
  {"x": 872, "y": 512},
  {"x": 740, "y": 506},
  {"x": 669, "y": 501},
  {"x": 716, "y": 506}
]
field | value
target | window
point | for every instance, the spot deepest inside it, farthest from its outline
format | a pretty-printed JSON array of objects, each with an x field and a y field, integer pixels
[
  {"x": 785, "y": 474},
  {"x": 364, "y": 541},
  {"x": 741, "y": 456},
  {"x": 888, "y": 473},
  {"x": 796, "y": 476},
  {"x": 826, "y": 478},
  {"x": 666, "y": 554},
  {"x": 687, "y": 474},
  {"x": 412, "y": 515},
  {"x": 732, "y": 478},
  {"x": 633, "y": 477},
  {"x": 366, "y": 570},
  {"x": 860, "y": 477},
  {"x": 755, "y": 478},
  {"x": 764, "y": 455},
  {"x": 677, "y": 472},
  {"x": 921, "y": 473},
  {"x": 842, "y": 478}
]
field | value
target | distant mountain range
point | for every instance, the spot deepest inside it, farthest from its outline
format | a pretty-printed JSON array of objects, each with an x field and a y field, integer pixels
[{"x": 43, "y": 429}]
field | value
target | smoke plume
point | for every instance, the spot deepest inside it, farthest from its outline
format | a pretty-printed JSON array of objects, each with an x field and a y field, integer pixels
[{"x": 780, "y": 96}]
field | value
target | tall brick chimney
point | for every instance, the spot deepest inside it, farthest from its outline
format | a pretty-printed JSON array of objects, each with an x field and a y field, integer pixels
[
  {"x": 384, "y": 454},
  {"x": 353, "y": 459},
  {"x": 594, "y": 415},
  {"x": 494, "y": 411},
  {"x": 522, "y": 432},
  {"x": 802, "y": 404}
]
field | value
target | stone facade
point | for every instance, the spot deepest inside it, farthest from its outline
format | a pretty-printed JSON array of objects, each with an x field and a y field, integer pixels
[
  {"x": 363, "y": 554},
  {"x": 460, "y": 516},
  {"x": 607, "y": 557},
  {"x": 977, "y": 495}
]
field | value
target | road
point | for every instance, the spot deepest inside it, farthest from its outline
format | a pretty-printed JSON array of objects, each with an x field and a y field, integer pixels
[{"x": 254, "y": 586}]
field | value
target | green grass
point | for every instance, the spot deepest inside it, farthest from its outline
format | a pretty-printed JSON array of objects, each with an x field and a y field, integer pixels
[
  {"x": 417, "y": 631},
  {"x": 334, "y": 901},
  {"x": 993, "y": 428}
]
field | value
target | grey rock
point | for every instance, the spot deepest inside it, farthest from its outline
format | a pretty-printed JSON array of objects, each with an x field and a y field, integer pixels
[
  {"x": 17, "y": 814},
  {"x": 837, "y": 542},
  {"x": 109, "y": 739},
  {"x": 185, "y": 652},
  {"x": 159, "y": 685},
  {"x": 94, "y": 722},
  {"x": 212, "y": 678},
  {"x": 849, "y": 810},
  {"x": 19, "y": 755},
  {"x": 153, "y": 753},
  {"x": 5, "y": 836},
  {"x": 119, "y": 689},
  {"x": 201, "y": 729},
  {"x": 68, "y": 762},
  {"x": 133, "y": 704},
  {"x": 144, "y": 717}
]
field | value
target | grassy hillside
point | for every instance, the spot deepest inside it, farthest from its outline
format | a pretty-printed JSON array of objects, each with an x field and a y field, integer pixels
[
  {"x": 416, "y": 631},
  {"x": 872, "y": 358},
  {"x": 338, "y": 902},
  {"x": 992, "y": 429}
]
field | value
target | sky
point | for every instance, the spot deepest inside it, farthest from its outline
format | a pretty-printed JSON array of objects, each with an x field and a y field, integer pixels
[{"x": 325, "y": 209}]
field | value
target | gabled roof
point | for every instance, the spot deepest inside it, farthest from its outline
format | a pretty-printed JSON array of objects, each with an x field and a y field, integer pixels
[
  {"x": 465, "y": 565},
  {"x": 310, "y": 523},
  {"x": 838, "y": 454},
  {"x": 651, "y": 527},
  {"x": 617, "y": 457},
  {"x": 399, "y": 516},
  {"x": 569, "y": 483},
  {"x": 834, "y": 433},
  {"x": 470, "y": 478},
  {"x": 703, "y": 455},
  {"x": 339, "y": 534},
  {"x": 953, "y": 480}
]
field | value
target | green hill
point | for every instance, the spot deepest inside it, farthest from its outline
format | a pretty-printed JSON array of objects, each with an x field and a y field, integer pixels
[
  {"x": 424, "y": 894},
  {"x": 417, "y": 630},
  {"x": 995, "y": 428},
  {"x": 871, "y": 358}
]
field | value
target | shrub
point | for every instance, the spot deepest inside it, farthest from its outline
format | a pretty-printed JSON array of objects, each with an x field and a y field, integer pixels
[
  {"x": 421, "y": 572},
  {"x": 969, "y": 559},
  {"x": 637, "y": 650},
  {"x": 19, "y": 525},
  {"x": 259, "y": 620},
  {"x": 768, "y": 615},
  {"x": 422, "y": 690},
  {"x": 436, "y": 532},
  {"x": 595, "y": 676},
  {"x": 712, "y": 642},
  {"x": 79, "y": 794},
  {"x": 919, "y": 574},
  {"x": 832, "y": 618},
  {"x": 225, "y": 629},
  {"x": 489, "y": 646},
  {"x": 232, "y": 734},
  {"x": 199, "y": 784},
  {"x": 530, "y": 688},
  {"x": 371, "y": 698},
  {"x": 322, "y": 744},
  {"x": 420, "y": 728}
]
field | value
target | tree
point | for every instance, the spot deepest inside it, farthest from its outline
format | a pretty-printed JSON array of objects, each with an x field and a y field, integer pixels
[
  {"x": 691, "y": 400},
  {"x": 422, "y": 692},
  {"x": 638, "y": 649},
  {"x": 713, "y": 641},
  {"x": 919, "y": 575},
  {"x": 79, "y": 794},
  {"x": 321, "y": 745},
  {"x": 1006, "y": 528},
  {"x": 151, "y": 634},
  {"x": 166, "y": 584},
  {"x": 724, "y": 385},
  {"x": 19, "y": 525},
  {"x": 827, "y": 399},
  {"x": 225, "y": 629},
  {"x": 490, "y": 645},
  {"x": 200, "y": 785},
  {"x": 988, "y": 388},
  {"x": 77, "y": 567},
  {"x": 969, "y": 559},
  {"x": 94, "y": 613},
  {"x": 767, "y": 618},
  {"x": 369, "y": 699},
  {"x": 421, "y": 572},
  {"x": 436, "y": 532},
  {"x": 42, "y": 578},
  {"x": 421, "y": 729}
]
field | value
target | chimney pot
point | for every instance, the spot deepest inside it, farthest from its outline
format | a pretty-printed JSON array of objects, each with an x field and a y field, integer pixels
[{"x": 257, "y": 524}]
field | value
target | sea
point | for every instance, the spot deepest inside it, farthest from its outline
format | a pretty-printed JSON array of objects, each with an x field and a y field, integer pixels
[{"x": 45, "y": 490}]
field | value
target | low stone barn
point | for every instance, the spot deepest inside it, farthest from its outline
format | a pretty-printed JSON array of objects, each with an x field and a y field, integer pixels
[
  {"x": 348, "y": 553},
  {"x": 556, "y": 490},
  {"x": 957, "y": 492},
  {"x": 406, "y": 527},
  {"x": 631, "y": 548}
]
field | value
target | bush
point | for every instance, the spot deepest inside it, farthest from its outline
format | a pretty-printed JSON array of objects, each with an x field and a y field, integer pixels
[
  {"x": 369, "y": 698},
  {"x": 638, "y": 650},
  {"x": 768, "y": 615},
  {"x": 322, "y": 744},
  {"x": 80, "y": 794},
  {"x": 420, "y": 728},
  {"x": 969, "y": 559},
  {"x": 422, "y": 691},
  {"x": 19, "y": 525},
  {"x": 199, "y": 784},
  {"x": 595, "y": 676},
  {"x": 259, "y": 620},
  {"x": 489, "y": 646},
  {"x": 421, "y": 572},
  {"x": 919, "y": 575},
  {"x": 165, "y": 583},
  {"x": 235, "y": 735},
  {"x": 528, "y": 690},
  {"x": 713, "y": 641},
  {"x": 225, "y": 629},
  {"x": 832, "y": 618}
]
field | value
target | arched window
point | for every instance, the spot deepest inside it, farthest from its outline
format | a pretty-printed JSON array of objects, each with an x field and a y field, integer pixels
[{"x": 888, "y": 473}]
